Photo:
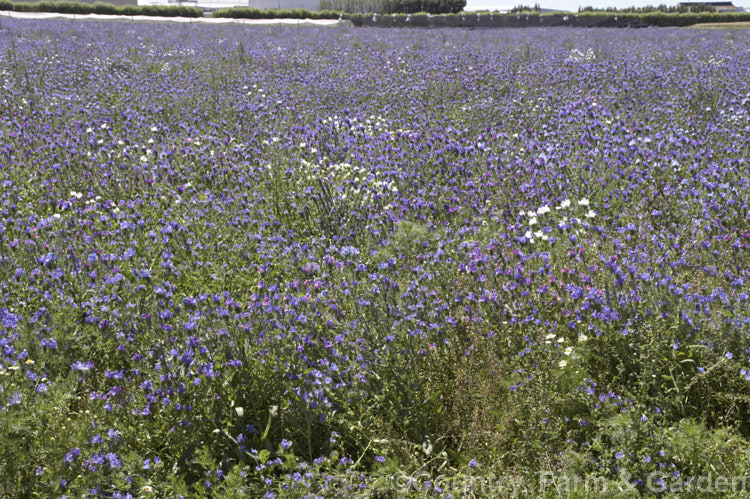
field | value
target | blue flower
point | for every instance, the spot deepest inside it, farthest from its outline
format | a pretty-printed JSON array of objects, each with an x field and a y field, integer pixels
[
  {"x": 72, "y": 455},
  {"x": 9, "y": 320}
]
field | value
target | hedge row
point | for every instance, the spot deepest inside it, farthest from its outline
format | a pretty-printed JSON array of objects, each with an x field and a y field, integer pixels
[
  {"x": 584, "y": 19},
  {"x": 250, "y": 13},
  {"x": 693, "y": 7},
  {"x": 483, "y": 20},
  {"x": 63, "y": 7},
  {"x": 423, "y": 18},
  {"x": 352, "y": 6},
  {"x": 666, "y": 19},
  {"x": 463, "y": 19},
  {"x": 326, "y": 13},
  {"x": 394, "y": 6}
]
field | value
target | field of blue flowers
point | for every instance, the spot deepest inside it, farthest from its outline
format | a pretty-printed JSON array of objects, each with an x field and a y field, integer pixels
[{"x": 301, "y": 262}]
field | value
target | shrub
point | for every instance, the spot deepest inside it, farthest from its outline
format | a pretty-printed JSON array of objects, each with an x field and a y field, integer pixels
[{"x": 81, "y": 8}]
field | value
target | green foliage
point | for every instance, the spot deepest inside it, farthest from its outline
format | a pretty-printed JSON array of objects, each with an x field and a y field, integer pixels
[
  {"x": 251, "y": 13},
  {"x": 645, "y": 393},
  {"x": 525, "y": 8},
  {"x": 348, "y": 9},
  {"x": 680, "y": 8},
  {"x": 394, "y": 6},
  {"x": 64, "y": 7},
  {"x": 528, "y": 18}
]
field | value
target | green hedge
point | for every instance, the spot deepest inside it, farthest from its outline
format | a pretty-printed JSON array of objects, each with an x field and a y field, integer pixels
[
  {"x": 63, "y": 7},
  {"x": 416, "y": 18},
  {"x": 666, "y": 19},
  {"x": 345, "y": 8},
  {"x": 584, "y": 19},
  {"x": 250, "y": 13},
  {"x": 394, "y": 6}
]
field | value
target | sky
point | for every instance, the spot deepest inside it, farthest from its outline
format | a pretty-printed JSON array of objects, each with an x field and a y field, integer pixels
[{"x": 572, "y": 5}]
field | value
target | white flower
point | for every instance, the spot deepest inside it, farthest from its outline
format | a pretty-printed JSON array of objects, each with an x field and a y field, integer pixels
[
  {"x": 565, "y": 204},
  {"x": 544, "y": 209},
  {"x": 550, "y": 336},
  {"x": 583, "y": 202},
  {"x": 539, "y": 234},
  {"x": 529, "y": 236},
  {"x": 154, "y": 129},
  {"x": 89, "y": 130},
  {"x": 568, "y": 350},
  {"x": 590, "y": 214},
  {"x": 104, "y": 126},
  {"x": 76, "y": 195},
  {"x": 562, "y": 363},
  {"x": 582, "y": 337},
  {"x": 532, "y": 221}
]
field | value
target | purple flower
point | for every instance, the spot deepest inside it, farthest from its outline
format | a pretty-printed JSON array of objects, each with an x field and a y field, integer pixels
[
  {"x": 114, "y": 461},
  {"x": 72, "y": 455},
  {"x": 9, "y": 319},
  {"x": 14, "y": 399}
]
